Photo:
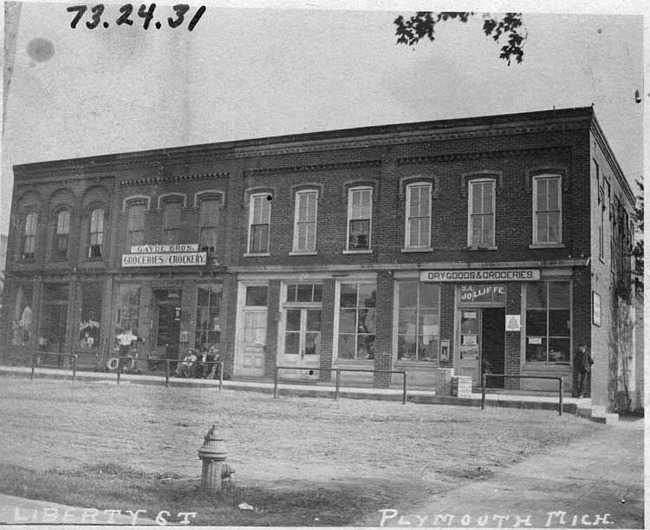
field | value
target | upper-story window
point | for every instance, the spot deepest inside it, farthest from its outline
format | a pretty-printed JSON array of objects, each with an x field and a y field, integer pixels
[
  {"x": 547, "y": 210},
  {"x": 171, "y": 221},
  {"x": 62, "y": 234},
  {"x": 96, "y": 243},
  {"x": 359, "y": 218},
  {"x": 306, "y": 214},
  {"x": 418, "y": 216},
  {"x": 481, "y": 213},
  {"x": 208, "y": 224},
  {"x": 29, "y": 236},
  {"x": 135, "y": 235},
  {"x": 259, "y": 223}
]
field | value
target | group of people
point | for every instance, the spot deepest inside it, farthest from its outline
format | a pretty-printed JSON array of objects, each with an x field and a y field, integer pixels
[{"x": 199, "y": 365}]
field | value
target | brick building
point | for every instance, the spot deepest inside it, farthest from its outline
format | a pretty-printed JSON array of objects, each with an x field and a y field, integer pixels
[{"x": 483, "y": 245}]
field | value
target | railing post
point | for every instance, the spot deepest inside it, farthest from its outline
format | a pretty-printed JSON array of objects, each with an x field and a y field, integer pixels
[
  {"x": 74, "y": 368},
  {"x": 404, "y": 389},
  {"x": 338, "y": 384},
  {"x": 166, "y": 372},
  {"x": 483, "y": 392},
  {"x": 275, "y": 382},
  {"x": 33, "y": 366},
  {"x": 220, "y": 375},
  {"x": 561, "y": 395},
  {"x": 119, "y": 369}
]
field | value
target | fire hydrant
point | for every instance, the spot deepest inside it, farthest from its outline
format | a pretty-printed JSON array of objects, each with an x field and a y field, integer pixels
[{"x": 213, "y": 455}]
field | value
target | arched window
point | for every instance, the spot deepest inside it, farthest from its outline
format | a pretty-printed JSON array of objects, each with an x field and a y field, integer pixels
[
  {"x": 135, "y": 235},
  {"x": 547, "y": 210},
  {"x": 208, "y": 223},
  {"x": 96, "y": 242},
  {"x": 418, "y": 216},
  {"x": 480, "y": 233},
  {"x": 305, "y": 219},
  {"x": 172, "y": 220},
  {"x": 29, "y": 236},
  {"x": 359, "y": 218},
  {"x": 62, "y": 234},
  {"x": 259, "y": 223}
]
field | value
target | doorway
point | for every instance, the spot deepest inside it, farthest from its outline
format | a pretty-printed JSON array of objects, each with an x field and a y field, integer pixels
[
  {"x": 168, "y": 320},
  {"x": 482, "y": 344}
]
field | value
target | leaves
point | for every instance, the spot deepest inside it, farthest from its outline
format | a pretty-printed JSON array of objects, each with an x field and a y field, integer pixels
[{"x": 410, "y": 31}]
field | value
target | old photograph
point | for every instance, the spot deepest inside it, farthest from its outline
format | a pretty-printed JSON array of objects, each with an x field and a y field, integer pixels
[{"x": 330, "y": 264}]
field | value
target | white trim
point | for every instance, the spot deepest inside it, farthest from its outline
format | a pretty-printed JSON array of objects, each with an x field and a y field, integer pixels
[
  {"x": 199, "y": 194},
  {"x": 301, "y": 253},
  {"x": 296, "y": 220},
  {"x": 163, "y": 198},
  {"x": 131, "y": 198},
  {"x": 361, "y": 251},
  {"x": 470, "y": 196},
  {"x": 536, "y": 179},
  {"x": 416, "y": 249},
  {"x": 347, "y": 231},
  {"x": 408, "y": 247}
]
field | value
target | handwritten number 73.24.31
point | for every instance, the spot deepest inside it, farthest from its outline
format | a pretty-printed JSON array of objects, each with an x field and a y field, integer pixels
[{"x": 147, "y": 13}]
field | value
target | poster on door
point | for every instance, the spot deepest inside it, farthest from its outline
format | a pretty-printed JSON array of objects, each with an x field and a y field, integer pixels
[{"x": 469, "y": 347}]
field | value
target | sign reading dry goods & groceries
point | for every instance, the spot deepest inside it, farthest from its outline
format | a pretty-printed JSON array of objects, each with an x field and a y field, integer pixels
[{"x": 481, "y": 275}]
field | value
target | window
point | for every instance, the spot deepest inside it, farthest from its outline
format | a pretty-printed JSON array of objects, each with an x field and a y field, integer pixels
[
  {"x": 601, "y": 232},
  {"x": 304, "y": 292},
  {"x": 303, "y": 319},
  {"x": 547, "y": 210},
  {"x": 208, "y": 224},
  {"x": 22, "y": 322},
  {"x": 128, "y": 312},
  {"x": 208, "y": 309},
  {"x": 96, "y": 233},
  {"x": 91, "y": 316},
  {"x": 357, "y": 321},
  {"x": 259, "y": 223},
  {"x": 418, "y": 321},
  {"x": 29, "y": 237},
  {"x": 171, "y": 221},
  {"x": 62, "y": 234},
  {"x": 548, "y": 322},
  {"x": 481, "y": 214},
  {"x": 304, "y": 233},
  {"x": 135, "y": 234},
  {"x": 359, "y": 218},
  {"x": 418, "y": 216}
]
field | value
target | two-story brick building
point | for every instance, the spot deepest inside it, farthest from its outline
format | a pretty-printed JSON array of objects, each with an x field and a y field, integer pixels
[{"x": 483, "y": 245}]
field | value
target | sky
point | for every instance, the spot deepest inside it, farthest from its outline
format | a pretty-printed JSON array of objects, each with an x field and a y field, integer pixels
[{"x": 301, "y": 67}]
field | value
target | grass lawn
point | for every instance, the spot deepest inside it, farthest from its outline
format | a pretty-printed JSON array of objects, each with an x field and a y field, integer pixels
[{"x": 298, "y": 461}]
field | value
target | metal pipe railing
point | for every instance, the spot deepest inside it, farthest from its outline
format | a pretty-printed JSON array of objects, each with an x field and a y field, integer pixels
[
  {"x": 556, "y": 378},
  {"x": 73, "y": 356},
  {"x": 338, "y": 377}
]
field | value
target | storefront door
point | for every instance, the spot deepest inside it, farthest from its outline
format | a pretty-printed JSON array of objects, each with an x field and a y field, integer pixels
[
  {"x": 251, "y": 342},
  {"x": 301, "y": 344},
  {"x": 482, "y": 343},
  {"x": 168, "y": 322}
]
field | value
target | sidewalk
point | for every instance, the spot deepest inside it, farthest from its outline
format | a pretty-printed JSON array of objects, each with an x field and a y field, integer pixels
[
  {"x": 594, "y": 483},
  {"x": 415, "y": 394}
]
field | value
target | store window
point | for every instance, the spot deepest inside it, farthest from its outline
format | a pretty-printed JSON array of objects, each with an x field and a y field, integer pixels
[
  {"x": 304, "y": 233},
  {"x": 171, "y": 221},
  {"x": 29, "y": 236},
  {"x": 359, "y": 218},
  {"x": 96, "y": 244},
  {"x": 208, "y": 224},
  {"x": 208, "y": 319},
  {"x": 62, "y": 234},
  {"x": 91, "y": 316},
  {"x": 481, "y": 213},
  {"x": 418, "y": 321},
  {"x": 22, "y": 322},
  {"x": 548, "y": 322},
  {"x": 259, "y": 223},
  {"x": 135, "y": 236},
  {"x": 357, "y": 321},
  {"x": 128, "y": 309},
  {"x": 547, "y": 210},
  {"x": 418, "y": 216}
]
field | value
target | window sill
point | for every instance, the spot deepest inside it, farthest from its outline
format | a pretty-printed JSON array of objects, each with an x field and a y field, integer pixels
[
  {"x": 256, "y": 254},
  {"x": 417, "y": 249},
  {"x": 420, "y": 364},
  {"x": 303, "y": 253},
  {"x": 545, "y": 245},
  {"x": 363, "y": 251},
  {"x": 481, "y": 248}
]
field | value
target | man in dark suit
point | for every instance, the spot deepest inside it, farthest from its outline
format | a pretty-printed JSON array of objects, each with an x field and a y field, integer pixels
[{"x": 582, "y": 362}]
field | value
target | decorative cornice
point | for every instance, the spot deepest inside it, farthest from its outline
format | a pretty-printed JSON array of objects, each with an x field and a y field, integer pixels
[
  {"x": 477, "y": 155},
  {"x": 390, "y": 138},
  {"x": 313, "y": 167},
  {"x": 174, "y": 178}
]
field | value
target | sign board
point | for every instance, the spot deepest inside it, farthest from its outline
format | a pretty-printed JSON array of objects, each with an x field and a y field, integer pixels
[
  {"x": 176, "y": 259},
  {"x": 513, "y": 322},
  {"x": 150, "y": 249},
  {"x": 481, "y": 275},
  {"x": 483, "y": 293}
]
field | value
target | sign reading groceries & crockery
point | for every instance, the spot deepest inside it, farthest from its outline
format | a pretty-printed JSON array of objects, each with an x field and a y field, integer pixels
[{"x": 164, "y": 256}]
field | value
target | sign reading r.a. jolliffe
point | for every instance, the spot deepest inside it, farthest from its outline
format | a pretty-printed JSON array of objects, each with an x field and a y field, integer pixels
[
  {"x": 175, "y": 259},
  {"x": 481, "y": 275}
]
